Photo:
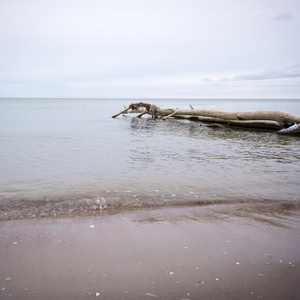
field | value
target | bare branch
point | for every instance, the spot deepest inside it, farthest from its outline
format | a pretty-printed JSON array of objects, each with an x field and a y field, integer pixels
[{"x": 171, "y": 115}]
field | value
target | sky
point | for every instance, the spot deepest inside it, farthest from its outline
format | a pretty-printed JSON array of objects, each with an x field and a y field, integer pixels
[{"x": 150, "y": 48}]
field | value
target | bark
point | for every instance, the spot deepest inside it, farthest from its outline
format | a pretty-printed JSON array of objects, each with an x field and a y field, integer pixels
[{"x": 275, "y": 120}]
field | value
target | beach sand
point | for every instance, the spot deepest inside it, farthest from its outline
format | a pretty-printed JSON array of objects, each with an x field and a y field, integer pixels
[{"x": 201, "y": 252}]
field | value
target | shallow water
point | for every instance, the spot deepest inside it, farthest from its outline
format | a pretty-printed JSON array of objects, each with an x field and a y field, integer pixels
[{"x": 61, "y": 156}]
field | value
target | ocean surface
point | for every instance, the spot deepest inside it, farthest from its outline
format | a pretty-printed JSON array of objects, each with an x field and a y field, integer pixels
[{"x": 68, "y": 156}]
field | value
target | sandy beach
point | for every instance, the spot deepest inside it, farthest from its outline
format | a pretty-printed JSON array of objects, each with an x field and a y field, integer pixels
[{"x": 208, "y": 252}]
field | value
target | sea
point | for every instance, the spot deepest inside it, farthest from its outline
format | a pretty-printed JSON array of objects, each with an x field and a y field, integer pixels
[{"x": 66, "y": 157}]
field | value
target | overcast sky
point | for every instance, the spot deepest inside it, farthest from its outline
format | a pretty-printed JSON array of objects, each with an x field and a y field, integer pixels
[{"x": 150, "y": 48}]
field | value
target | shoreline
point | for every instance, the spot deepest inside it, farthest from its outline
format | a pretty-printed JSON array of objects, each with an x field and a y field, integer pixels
[
  {"x": 25, "y": 209},
  {"x": 208, "y": 252}
]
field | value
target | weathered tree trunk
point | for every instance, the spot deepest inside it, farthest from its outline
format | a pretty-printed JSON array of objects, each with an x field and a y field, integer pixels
[{"x": 276, "y": 120}]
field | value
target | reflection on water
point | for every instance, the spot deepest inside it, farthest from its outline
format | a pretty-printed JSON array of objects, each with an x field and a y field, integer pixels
[{"x": 202, "y": 155}]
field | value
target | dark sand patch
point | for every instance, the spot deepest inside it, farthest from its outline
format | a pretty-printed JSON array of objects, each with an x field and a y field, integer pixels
[{"x": 172, "y": 253}]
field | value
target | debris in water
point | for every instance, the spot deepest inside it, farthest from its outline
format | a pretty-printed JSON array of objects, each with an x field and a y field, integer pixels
[
  {"x": 150, "y": 295},
  {"x": 171, "y": 273},
  {"x": 92, "y": 226},
  {"x": 101, "y": 203},
  {"x": 3, "y": 289},
  {"x": 97, "y": 294},
  {"x": 8, "y": 279}
]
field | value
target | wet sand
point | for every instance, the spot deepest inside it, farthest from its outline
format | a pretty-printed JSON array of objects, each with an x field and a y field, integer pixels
[{"x": 212, "y": 252}]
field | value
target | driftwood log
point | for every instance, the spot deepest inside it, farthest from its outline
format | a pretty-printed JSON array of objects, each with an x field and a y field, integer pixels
[{"x": 283, "y": 122}]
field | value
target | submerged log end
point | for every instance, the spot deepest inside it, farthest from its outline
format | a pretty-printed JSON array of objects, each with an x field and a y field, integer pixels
[
  {"x": 294, "y": 129},
  {"x": 215, "y": 125}
]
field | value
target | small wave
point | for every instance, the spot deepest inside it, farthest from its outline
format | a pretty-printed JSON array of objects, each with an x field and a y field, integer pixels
[{"x": 13, "y": 209}]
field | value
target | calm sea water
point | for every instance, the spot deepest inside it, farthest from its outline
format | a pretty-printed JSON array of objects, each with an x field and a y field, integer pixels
[{"x": 61, "y": 156}]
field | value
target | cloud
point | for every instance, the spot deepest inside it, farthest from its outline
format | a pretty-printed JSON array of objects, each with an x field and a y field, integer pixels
[
  {"x": 283, "y": 17},
  {"x": 292, "y": 71},
  {"x": 139, "y": 47}
]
